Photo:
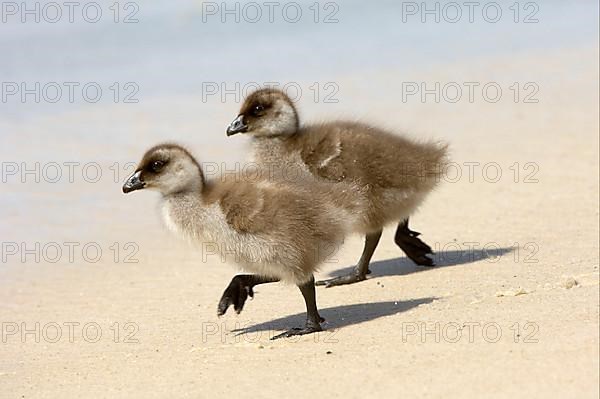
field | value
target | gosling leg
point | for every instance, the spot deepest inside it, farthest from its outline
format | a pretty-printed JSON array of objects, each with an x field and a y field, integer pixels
[
  {"x": 313, "y": 319},
  {"x": 362, "y": 268}
]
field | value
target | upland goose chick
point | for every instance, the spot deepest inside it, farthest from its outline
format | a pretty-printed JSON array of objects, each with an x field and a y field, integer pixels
[
  {"x": 395, "y": 172},
  {"x": 278, "y": 232}
]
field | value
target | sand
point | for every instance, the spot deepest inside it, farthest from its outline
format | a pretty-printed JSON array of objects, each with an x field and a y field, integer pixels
[{"x": 511, "y": 310}]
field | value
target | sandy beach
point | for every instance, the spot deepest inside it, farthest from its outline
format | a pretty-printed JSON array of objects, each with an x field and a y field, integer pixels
[
  {"x": 98, "y": 299},
  {"x": 511, "y": 310}
]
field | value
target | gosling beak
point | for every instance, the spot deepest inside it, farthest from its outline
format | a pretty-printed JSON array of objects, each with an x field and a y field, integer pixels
[
  {"x": 237, "y": 126},
  {"x": 133, "y": 183}
]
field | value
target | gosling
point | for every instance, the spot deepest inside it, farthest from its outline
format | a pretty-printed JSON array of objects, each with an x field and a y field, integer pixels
[
  {"x": 396, "y": 173},
  {"x": 278, "y": 232}
]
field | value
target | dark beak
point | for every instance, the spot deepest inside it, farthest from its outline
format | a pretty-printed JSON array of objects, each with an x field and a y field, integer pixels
[
  {"x": 237, "y": 126},
  {"x": 133, "y": 183}
]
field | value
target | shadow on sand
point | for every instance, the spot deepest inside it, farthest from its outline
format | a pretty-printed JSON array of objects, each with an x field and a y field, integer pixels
[
  {"x": 340, "y": 316},
  {"x": 402, "y": 266}
]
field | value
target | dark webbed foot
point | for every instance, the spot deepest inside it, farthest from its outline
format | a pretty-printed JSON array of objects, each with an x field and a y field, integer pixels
[
  {"x": 342, "y": 280},
  {"x": 235, "y": 294},
  {"x": 412, "y": 246},
  {"x": 239, "y": 289},
  {"x": 308, "y": 329}
]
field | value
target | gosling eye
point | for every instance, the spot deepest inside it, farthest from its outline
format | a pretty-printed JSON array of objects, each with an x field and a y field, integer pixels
[
  {"x": 156, "y": 166},
  {"x": 258, "y": 110}
]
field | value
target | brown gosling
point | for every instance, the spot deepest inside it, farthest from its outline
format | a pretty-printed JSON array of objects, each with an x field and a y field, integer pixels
[
  {"x": 394, "y": 172},
  {"x": 278, "y": 232}
]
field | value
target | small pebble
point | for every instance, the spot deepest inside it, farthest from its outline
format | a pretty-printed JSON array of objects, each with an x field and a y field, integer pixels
[
  {"x": 329, "y": 352},
  {"x": 569, "y": 283}
]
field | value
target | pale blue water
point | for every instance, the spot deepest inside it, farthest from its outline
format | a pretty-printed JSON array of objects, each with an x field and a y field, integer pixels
[{"x": 171, "y": 51}]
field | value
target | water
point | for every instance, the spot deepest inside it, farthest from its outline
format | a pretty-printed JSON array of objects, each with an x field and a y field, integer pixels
[{"x": 174, "y": 48}]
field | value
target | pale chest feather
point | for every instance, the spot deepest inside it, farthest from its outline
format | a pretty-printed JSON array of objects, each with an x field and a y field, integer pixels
[
  {"x": 193, "y": 220},
  {"x": 167, "y": 218},
  {"x": 207, "y": 227}
]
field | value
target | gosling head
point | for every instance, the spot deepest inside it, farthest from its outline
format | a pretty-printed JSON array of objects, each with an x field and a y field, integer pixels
[
  {"x": 266, "y": 112},
  {"x": 167, "y": 168}
]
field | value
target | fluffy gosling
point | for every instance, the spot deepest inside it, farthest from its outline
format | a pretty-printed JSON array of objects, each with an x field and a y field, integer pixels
[
  {"x": 278, "y": 232},
  {"x": 395, "y": 172}
]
